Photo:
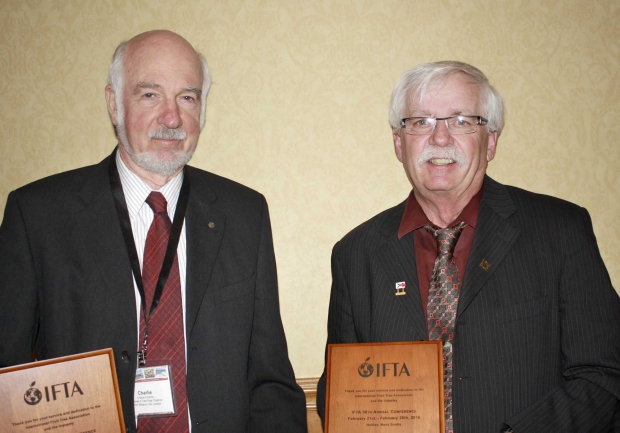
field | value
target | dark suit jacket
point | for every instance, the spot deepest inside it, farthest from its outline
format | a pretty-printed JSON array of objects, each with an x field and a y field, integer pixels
[
  {"x": 66, "y": 287},
  {"x": 537, "y": 342}
]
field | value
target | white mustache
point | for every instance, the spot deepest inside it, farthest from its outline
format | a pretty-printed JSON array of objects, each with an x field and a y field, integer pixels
[
  {"x": 434, "y": 152},
  {"x": 168, "y": 134}
]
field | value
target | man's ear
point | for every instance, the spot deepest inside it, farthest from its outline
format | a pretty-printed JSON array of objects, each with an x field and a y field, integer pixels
[
  {"x": 110, "y": 98},
  {"x": 398, "y": 146},
  {"x": 491, "y": 145}
]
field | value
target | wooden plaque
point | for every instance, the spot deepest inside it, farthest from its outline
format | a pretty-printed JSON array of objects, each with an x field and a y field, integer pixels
[
  {"x": 77, "y": 393},
  {"x": 385, "y": 387}
]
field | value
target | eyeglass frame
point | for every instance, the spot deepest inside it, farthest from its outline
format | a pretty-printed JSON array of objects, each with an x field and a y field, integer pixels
[{"x": 479, "y": 121}]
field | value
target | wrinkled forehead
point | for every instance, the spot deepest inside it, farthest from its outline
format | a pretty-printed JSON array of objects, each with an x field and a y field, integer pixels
[
  {"x": 162, "y": 56},
  {"x": 454, "y": 94}
]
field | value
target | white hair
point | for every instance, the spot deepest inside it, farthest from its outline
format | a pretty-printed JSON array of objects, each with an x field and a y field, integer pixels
[
  {"x": 414, "y": 84},
  {"x": 116, "y": 78}
]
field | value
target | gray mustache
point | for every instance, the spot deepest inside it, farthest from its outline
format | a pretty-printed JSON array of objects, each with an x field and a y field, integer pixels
[
  {"x": 433, "y": 152},
  {"x": 168, "y": 134}
]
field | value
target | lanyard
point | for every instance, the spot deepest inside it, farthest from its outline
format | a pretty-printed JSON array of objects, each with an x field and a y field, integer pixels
[{"x": 171, "y": 249}]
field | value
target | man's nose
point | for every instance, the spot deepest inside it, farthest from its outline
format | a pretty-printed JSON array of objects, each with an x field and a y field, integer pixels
[
  {"x": 441, "y": 135},
  {"x": 170, "y": 115}
]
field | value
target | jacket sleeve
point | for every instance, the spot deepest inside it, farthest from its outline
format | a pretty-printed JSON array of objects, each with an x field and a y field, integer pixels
[
  {"x": 277, "y": 403},
  {"x": 340, "y": 327},
  {"x": 18, "y": 288},
  {"x": 587, "y": 398}
]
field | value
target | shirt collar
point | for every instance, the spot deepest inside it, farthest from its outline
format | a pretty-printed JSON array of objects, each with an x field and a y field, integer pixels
[
  {"x": 136, "y": 190},
  {"x": 415, "y": 218}
]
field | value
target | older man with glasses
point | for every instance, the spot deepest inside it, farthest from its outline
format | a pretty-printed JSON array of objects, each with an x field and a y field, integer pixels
[{"x": 512, "y": 282}]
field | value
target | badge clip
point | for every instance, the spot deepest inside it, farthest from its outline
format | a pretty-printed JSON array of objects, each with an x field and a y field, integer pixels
[{"x": 141, "y": 358}]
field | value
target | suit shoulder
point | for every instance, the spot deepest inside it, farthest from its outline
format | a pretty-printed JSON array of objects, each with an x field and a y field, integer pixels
[
  {"x": 541, "y": 204},
  {"x": 60, "y": 184},
  {"x": 372, "y": 232},
  {"x": 538, "y": 213},
  {"x": 217, "y": 181},
  {"x": 220, "y": 183},
  {"x": 232, "y": 198}
]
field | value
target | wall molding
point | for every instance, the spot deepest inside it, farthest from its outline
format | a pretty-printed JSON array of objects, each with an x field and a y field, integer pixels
[{"x": 309, "y": 385}]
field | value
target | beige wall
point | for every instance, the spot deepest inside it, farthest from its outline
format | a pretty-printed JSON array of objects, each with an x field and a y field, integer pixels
[{"x": 298, "y": 107}]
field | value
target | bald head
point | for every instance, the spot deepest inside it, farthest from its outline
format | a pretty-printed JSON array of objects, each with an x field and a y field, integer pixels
[{"x": 128, "y": 53}]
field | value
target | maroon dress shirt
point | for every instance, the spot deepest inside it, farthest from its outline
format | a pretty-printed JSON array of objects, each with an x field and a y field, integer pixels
[{"x": 414, "y": 219}]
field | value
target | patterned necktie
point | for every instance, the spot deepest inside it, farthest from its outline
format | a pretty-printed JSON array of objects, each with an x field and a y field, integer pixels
[
  {"x": 165, "y": 340},
  {"x": 443, "y": 298}
]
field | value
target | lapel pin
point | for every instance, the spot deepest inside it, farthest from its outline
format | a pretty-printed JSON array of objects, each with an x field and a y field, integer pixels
[
  {"x": 211, "y": 225},
  {"x": 485, "y": 265},
  {"x": 400, "y": 288}
]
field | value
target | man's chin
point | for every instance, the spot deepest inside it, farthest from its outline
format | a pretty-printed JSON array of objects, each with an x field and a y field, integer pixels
[{"x": 165, "y": 164}]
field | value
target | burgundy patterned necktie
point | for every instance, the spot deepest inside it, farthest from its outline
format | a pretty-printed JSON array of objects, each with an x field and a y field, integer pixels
[
  {"x": 165, "y": 340},
  {"x": 443, "y": 298}
]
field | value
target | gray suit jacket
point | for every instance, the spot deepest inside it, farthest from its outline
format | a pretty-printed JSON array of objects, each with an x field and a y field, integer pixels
[
  {"x": 537, "y": 343},
  {"x": 66, "y": 287}
]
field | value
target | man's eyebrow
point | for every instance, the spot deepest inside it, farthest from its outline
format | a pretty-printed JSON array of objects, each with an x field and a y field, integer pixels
[
  {"x": 152, "y": 85},
  {"x": 195, "y": 90},
  {"x": 420, "y": 113},
  {"x": 146, "y": 85},
  {"x": 426, "y": 113}
]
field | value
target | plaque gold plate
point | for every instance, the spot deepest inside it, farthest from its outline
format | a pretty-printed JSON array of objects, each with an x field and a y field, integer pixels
[
  {"x": 77, "y": 393},
  {"x": 385, "y": 388}
]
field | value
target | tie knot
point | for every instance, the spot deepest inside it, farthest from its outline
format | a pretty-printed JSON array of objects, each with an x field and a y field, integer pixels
[
  {"x": 157, "y": 202},
  {"x": 446, "y": 238}
]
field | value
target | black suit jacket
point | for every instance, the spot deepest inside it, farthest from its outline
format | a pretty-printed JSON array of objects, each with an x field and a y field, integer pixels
[
  {"x": 66, "y": 287},
  {"x": 537, "y": 343}
]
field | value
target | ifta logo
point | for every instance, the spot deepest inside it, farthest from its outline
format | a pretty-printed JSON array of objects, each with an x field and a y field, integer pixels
[
  {"x": 384, "y": 369},
  {"x": 366, "y": 369},
  {"x": 33, "y": 395}
]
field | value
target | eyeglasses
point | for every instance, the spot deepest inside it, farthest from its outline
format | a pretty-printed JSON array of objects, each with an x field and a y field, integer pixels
[{"x": 456, "y": 124}]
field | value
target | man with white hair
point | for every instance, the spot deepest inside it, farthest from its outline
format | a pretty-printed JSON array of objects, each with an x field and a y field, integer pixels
[
  {"x": 512, "y": 282},
  {"x": 171, "y": 266}
]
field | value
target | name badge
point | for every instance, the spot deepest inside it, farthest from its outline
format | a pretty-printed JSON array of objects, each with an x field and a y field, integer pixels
[{"x": 153, "y": 395}]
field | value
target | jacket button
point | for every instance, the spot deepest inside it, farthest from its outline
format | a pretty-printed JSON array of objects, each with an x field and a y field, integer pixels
[{"x": 125, "y": 357}]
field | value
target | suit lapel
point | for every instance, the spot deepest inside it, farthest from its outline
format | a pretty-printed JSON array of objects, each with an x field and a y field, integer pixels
[
  {"x": 205, "y": 228},
  {"x": 397, "y": 259},
  {"x": 493, "y": 239},
  {"x": 97, "y": 221}
]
